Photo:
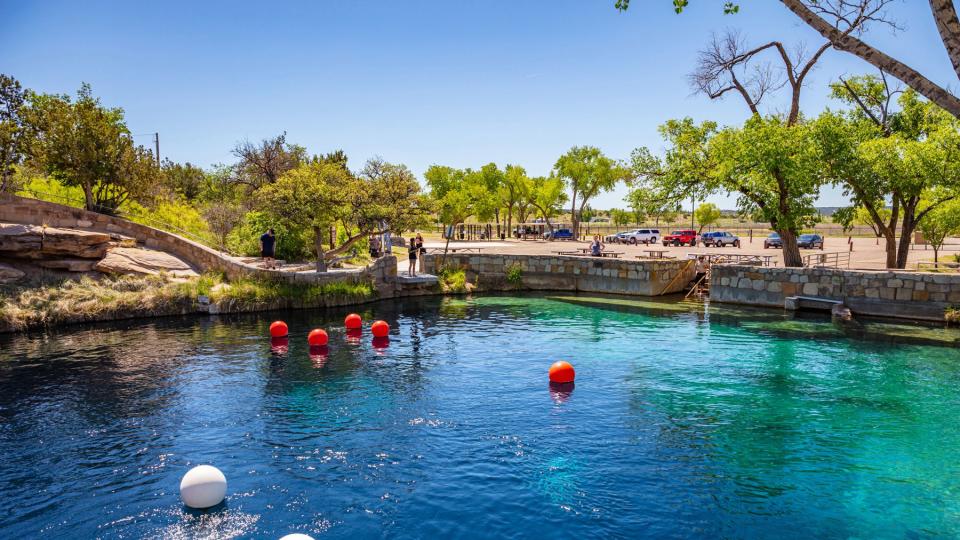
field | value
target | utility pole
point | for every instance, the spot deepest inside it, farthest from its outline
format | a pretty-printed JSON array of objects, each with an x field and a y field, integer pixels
[{"x": 156, "y": 146}]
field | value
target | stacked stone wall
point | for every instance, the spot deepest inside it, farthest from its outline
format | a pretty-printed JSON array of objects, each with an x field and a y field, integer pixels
[{"x": 895, "y": 293}]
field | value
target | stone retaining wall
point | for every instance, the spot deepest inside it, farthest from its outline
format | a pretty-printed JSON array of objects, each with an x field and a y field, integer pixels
[
  {"x": 36, "y": 212},
  {"x": 544, "y": 272},
  {"x": 887, "y": 293}
]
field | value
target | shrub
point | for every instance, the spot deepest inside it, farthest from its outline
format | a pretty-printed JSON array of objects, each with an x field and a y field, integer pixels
[
  {"x": 177, "y": 216},
  {"x": 952, "y": 314},
  {"x": 515, "y": 275},
  {"x": 453, "y": 279},
  {"x": 48, "y": 189}
]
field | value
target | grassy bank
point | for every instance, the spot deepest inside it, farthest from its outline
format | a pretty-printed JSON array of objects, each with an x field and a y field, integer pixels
[{"x": 46, "y": 302}]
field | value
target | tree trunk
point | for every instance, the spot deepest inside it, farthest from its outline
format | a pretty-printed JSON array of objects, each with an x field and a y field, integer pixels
[
  {"x": 573, "y": 214},
  {"x": 906, "y": 236},
  {"x": 936, "y": 250},
  {"x": 318, "y": 246},
  {"x": 890, "y": 238},
  {"x": 853, "y": 45},
  {"x": 88, "y": 198},
  {"x": 791, "y": 252}
]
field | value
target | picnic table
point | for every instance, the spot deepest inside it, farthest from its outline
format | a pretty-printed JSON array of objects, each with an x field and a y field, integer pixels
[
  {"x": 655, "y": 254},
  {"x": 585, "y": 252},
  {"x": 454, "y": 250}
]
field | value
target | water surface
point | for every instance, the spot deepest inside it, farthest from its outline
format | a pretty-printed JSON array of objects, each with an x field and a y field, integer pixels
[{"x": 684, "y": 422}]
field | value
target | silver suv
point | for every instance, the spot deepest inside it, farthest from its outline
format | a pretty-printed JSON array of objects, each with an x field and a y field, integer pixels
[
  {"x": 641, "y": 236},
  {"x": 720, "y": 239}
]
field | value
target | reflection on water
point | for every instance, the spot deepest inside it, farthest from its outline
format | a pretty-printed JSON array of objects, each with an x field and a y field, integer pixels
[{"x": 685, "y": 421}]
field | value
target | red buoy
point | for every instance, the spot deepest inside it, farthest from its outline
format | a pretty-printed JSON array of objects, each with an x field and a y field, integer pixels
[
  {"x": 561, "y": 372},
  {"x": 353, "y": 321},
  {"x": 317, "y": 338},
  {"x": 278, "y": 329},
  {"x": 380, "y": 329}
]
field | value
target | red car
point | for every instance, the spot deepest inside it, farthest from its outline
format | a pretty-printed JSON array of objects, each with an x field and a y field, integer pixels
[{"x": 679, "y": 238}]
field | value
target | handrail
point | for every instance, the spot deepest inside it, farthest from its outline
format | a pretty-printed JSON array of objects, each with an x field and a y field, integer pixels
[
  {"x": 827, "y": 260},
  {"x": 162, "y": 225}
]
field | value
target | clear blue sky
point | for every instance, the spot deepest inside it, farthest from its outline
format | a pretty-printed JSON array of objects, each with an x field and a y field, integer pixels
[{"x": 418, "y": 82}]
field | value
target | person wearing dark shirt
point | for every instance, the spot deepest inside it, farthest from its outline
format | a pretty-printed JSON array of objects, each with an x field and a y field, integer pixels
[
  {"x": 421, "y": 251},
  {"x": 267, "y": 242},
  {"x": 412, "y": 251}
]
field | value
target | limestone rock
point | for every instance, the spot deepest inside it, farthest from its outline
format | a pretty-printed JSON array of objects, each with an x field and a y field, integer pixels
[
  {"x": 122, "y": 260},
  {"x": 9, "y": 274}
]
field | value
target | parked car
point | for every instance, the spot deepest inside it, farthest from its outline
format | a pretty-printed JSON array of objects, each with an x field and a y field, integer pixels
[
  {"x": 810, "y": 241},
  {"x": 681, "y": 237},
  {"x": 772, "y": 241},
  {"x": 720, "y": 239},
  {"x": 615, "y": 238},
  {"x": 558, "y": 234},
  {"x": 641, "y": 236}
]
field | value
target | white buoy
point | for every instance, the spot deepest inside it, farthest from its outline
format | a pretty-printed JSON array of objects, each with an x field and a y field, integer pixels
[
  {"x": 203, "y": 486},
  {"x": 297, "y": 536}
]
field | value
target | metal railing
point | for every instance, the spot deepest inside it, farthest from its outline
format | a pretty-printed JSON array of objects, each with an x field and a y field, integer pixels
[{"x": 837, "y": 259}]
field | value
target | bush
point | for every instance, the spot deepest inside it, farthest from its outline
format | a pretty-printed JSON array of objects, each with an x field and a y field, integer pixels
[
  {"x": 515, "y": 275},
  {"x": 952, "y": 314},
  {"x": 292, "y": 245},
  {"x": 50, "y": 190},
  {"x": 453, "y": 280},
  {"x": 177, "y": 216}
]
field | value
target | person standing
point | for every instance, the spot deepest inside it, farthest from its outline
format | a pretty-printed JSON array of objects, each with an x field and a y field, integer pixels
[
  {"x": 412, "y": 251},
  {"x": 267, "y": 242},
  {"x": 375, "y": 246},
  {"x": 421, "y": 251}
]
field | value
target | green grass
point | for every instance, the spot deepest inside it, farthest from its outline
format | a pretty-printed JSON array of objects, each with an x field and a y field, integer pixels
[
  {"x": 63, "y": 301},
  {"x": 250, "y": 292}
]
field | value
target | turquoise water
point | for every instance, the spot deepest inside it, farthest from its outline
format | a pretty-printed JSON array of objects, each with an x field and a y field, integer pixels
[{"x": 684, "y": 422}]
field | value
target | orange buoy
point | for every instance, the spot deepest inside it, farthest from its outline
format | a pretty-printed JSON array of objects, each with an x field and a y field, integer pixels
[
  {"x": 278, "y": 329},
  {"x": 380, "y": 329},
  {"x": 317, "y": 338},
  {"x": 353, "y": 321},
  {"x": 561, "y": 372}
]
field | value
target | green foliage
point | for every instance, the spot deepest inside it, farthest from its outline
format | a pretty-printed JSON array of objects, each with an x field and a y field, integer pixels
[
  {"x": 940, "y": 223},
  {"x": 706, "y": 214},
  {"x": 82, "y": 143},
  {"x": 176, "y": 216},
  {"x": 250, "y": 292},
  {"x": 588, "y": 172},
  {"x": 293, "y": 244},
  {"x": 620, "y": 217},
  {"x": 48, "y": 189},
  {"x": 546, "y": 195},
  {"x": 205, "y": 283},
  {"x": 461, "y": 193},
  {"x": 515, "y": 274},
  {"x": 13, "y": 133},
  {"x": 952, "y": 314},
  {"x": 452, "y": 280}
]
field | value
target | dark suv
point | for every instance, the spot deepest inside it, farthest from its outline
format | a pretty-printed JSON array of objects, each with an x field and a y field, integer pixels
[{"x": 772, "y": 241}]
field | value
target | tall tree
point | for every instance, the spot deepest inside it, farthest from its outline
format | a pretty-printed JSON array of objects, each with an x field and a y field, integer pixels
[
  {"x": 706, "y": 214},
  {"x": 82, "y": 143},
  {"x": 12, "y": 130},
  {"x": 843, "y": 23},
  {"x": 941, "y": 223},
  {"x": 588, "y": 173},
  {"x": 547, "y": 196},
  {"x": 512, "y": 190},
  {"x": 459, "y": 194},
  {"x": 265, "y": 162}
]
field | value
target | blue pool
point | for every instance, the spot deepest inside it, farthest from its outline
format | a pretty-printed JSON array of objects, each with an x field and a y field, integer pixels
[{"x": 684, "y": 422}]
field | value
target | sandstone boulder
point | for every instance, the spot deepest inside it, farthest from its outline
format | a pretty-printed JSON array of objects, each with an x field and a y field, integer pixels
[
  {"x": 9, "y": 274},
  {"x": 122, "y": 260},
  {"x": 16, "y": 238},
  {"x": 74, "y": 243},
  {"x": 35, "y": 242}
]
